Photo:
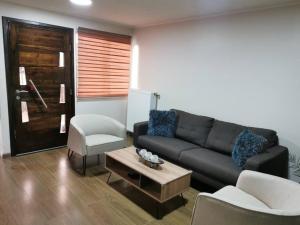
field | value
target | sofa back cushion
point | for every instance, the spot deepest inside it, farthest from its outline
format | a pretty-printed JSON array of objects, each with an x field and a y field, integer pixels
[
  {"x": 247, "y": 144},
  {"x": 270, "y": 135},
  {"x": 223, "y": 135},
  {"x": 162, "y": 123},
  {"x": 193, "y": 128}
]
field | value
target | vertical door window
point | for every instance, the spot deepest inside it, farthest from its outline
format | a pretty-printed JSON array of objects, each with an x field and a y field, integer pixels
[
  {"x": 63, "y": 124},
  {"x": 22, "y": 75},
  {"x": 62, "y": 97},
  {"x": 24, "y": 111}
]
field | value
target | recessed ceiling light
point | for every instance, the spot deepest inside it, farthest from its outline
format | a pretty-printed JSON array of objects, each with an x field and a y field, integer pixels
[{"x": 82, "y": 2}]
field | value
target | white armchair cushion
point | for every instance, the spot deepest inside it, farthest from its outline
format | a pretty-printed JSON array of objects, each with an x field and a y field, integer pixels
[
  {"x": 103, "y": 142},
  {"x": 238, "y": 197}
]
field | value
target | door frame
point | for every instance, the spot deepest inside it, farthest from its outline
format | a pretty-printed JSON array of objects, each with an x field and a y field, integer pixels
[{"x": 10, "y": 92}]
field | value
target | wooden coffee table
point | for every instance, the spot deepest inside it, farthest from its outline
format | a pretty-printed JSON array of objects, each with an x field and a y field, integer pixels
[{"x": 161, "y": 184}]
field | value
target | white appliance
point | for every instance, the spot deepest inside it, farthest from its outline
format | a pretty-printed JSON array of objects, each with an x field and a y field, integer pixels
[{"x": 140, "y": 103}]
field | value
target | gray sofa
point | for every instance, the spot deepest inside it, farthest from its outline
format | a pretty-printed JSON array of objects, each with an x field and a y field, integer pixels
[{"x": 204, "y": 145}]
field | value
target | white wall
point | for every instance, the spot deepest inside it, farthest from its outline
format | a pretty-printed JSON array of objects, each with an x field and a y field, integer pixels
[
  {"x": 115, "y": 107},
  {"x": 242, "y": 68}
]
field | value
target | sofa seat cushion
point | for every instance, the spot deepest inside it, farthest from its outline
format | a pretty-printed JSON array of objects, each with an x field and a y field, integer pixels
[
  {"x": 212, "y": 164},
  {"x": 238, "y": 197},
  {"x": 193, "y": 128},
  {"x": 98, "y": 143},
  {"x": 168, "y": 148}
]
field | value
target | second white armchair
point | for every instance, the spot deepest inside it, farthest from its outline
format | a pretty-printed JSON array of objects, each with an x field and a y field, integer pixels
[
  {"x": 93, "y": 134},
  {"x": 257, "y": 199}
]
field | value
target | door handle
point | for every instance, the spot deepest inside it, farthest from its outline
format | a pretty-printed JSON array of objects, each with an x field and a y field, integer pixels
[
  {"x": 21, "y": 91},
  {"x": 38, "y": 93}
]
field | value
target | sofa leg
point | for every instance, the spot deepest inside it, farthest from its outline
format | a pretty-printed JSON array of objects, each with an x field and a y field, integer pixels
[
  {"x": 70, "y": 153},
  {"x": 83, "y": 165}
]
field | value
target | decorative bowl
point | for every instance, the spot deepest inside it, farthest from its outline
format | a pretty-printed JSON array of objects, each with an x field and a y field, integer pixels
[{"x": 149, "y": 163}]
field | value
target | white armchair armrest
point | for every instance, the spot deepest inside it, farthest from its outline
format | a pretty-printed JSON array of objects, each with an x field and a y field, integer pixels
[
  {"x": 277, "y": 193},
  {"x": 119, "y": 129},
  {"x": 210, "y": 210},
  {"x": 76, "y": 139}
]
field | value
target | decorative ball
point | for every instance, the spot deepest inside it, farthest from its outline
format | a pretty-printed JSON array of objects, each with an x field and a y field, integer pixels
[
  {"x": 154, "y": 158},
  {"x": 143, "y": 152},
  {"x": 148, "y": 155}
]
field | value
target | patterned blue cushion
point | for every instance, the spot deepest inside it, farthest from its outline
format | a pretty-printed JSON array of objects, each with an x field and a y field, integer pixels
[
  {"x": 162, "y": 123},
  {"x": 247, "y": 144}
]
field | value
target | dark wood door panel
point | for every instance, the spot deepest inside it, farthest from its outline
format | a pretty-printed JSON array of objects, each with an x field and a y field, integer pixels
[
  {"x": 51, "y": 142},
  {"x": 33, "y": 58},
  {"x": 38, "y": 124},
  {"x": 37, "y": 49},
  {"x": 41, "y": 37}
]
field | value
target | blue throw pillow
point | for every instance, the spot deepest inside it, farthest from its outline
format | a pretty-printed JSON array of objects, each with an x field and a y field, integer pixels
[
  {"x": 247, "y": 144},
  {"x": 162, "y": 123}
]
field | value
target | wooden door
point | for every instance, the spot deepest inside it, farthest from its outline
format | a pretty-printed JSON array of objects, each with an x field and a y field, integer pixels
[{"x": 39, "y": 73}]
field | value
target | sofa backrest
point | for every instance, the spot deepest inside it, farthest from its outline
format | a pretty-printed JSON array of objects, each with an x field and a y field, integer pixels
[
  {"x": 222, "y": 136},
  {"x": 193, "y": 128}
]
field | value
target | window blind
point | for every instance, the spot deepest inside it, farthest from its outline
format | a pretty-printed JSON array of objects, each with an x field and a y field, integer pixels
[{"x": 103, "y": 64}]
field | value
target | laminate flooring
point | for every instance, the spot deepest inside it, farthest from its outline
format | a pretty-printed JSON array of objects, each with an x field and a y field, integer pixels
[{"x": 47, "y": 189}]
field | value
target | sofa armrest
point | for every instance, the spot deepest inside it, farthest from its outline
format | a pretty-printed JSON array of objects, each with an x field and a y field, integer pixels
[
  {"x": 139, "y": 129},
  {"x": 209, "y": 210},
  {"x": 273, "y": 161}
]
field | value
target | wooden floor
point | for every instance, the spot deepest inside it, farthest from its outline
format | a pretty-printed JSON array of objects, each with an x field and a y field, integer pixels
[{"x": 44, "y": 188}]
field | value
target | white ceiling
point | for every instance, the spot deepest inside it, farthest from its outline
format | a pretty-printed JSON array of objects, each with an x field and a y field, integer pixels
[{"x": 140, "y": 13}]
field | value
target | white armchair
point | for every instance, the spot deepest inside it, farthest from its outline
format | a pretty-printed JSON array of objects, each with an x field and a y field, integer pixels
[
  {"x": 93, "y": 134},
  {"x": 257, "y": 199}
]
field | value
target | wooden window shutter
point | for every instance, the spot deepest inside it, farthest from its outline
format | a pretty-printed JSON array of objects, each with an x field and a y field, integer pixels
[{"x": 103, "y": 64}]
